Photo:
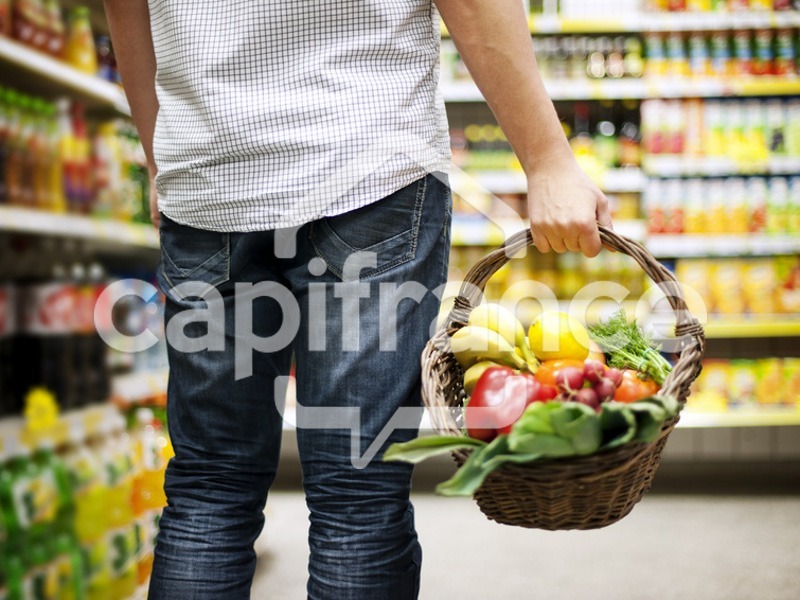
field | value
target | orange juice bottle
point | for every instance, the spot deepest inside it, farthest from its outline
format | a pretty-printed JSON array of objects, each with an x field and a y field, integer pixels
[{"x": 79, "y": 50}]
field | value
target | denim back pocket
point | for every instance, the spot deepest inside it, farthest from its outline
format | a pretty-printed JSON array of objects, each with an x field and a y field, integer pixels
[
  {"x": 384, "y": 234},
  {"x": 189, "y": 254}
]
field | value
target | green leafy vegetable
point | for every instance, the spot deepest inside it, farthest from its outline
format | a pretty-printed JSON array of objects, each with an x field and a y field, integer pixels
[
  {"x": 544, "y": 431},
  {"x": 628, "y": 348},
  {"x": 419, "y": 449}
]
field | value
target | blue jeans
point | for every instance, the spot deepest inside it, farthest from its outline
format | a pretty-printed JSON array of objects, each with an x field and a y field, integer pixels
[{"x": 343, "y": 276}]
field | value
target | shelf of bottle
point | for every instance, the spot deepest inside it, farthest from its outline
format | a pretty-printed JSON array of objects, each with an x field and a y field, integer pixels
[
  {"x": 760, "y": 326},
  {"x": 741, "y": 417},
  {"x": 40, "y": 222},
  {"x": 515, "y": 182},
  {"x": 649, "y": 87},
  {"x": 671, "y": 165},
  {"x": 477, "y": 230},
  {"x": 674, "y": 21},
  {"x": 133, "y": 388},
  {"x": 693, "y": 245},
  {"x": 664, "y": 21},
  {"x": 55, "y": 77}
]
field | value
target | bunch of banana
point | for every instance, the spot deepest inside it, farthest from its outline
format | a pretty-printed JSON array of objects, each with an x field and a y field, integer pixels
[{"x": 492, "y": 336}]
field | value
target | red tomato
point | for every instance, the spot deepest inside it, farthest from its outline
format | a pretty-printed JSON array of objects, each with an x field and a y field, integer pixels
[
  {"x": 546, "y": 373},
  {"x": 634, "y": 388}
]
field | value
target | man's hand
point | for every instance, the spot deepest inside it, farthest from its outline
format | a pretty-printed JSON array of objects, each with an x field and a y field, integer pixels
[
  {"x": 493, "y": 38},
  {"x": 564, "y": 207}
]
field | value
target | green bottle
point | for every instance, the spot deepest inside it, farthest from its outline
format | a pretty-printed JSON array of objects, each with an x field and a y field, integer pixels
[{"x": 68, "y": 566}]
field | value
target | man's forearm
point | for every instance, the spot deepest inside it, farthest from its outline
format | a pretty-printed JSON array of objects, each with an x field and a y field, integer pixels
[
  {"x": 493, "y": 39},
  {"x": 129, "y": 25}
]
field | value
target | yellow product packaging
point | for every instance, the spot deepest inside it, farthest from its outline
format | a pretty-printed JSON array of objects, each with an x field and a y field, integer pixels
[
  {"x": 709, "y": 392},
  {"x": 758, "y": 284},
  {"x": 769, "y": 382},
  {"x": 726, "y": 287},
  {"x": 787, "y": 270},
  {"x": 742, "y": 379},
  {"x": 693, "y": 274},
  {"x": 791, "y": 382}
]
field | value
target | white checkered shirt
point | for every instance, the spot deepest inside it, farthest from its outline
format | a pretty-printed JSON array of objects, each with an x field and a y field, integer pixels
[{"x": 274, "y": 113}]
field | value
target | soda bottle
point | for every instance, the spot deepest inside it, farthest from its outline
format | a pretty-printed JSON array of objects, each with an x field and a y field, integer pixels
[
  {"x": 8, "y": 403},
  {"x": 98, "y": 350},
  {"x": 45, "y": 354},
  {"x": 79, "y": 50}
]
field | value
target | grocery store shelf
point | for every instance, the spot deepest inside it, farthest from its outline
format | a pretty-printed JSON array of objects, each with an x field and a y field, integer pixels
[
  {"x": 479, "y": 231},
  {"x": 665, "y": 21},
  {"x": 137, "y": 387},
  {"x": 53, "y": 77},
  {"x": 762, "y": 326},
  {"x": 515, "y": 182},
  {"x": 670, "y": 165},
  {"x": 745, "y": 417},
  {"x": 38, "y": 222},
  {"x": 689, "y": 245},
  {"x": 654, "y": 21},
  {"x": 619, "y": 89}
]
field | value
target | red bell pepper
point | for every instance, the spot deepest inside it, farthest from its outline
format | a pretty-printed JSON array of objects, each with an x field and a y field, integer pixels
[{"x": 498, "y": 401}]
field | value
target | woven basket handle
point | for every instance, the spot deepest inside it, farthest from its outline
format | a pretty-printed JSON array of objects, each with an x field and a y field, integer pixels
[{"x": 687, "y": 328}]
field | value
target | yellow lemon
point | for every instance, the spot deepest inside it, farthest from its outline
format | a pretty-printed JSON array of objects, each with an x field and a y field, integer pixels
[{"x": 555, "y": 334}]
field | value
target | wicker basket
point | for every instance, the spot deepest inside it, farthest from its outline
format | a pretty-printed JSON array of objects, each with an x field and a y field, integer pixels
[{"x": 571, "y": 493}]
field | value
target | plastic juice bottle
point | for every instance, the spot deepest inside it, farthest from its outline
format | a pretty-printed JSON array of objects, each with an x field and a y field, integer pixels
[
  {"x": 14, "y": 150},
  {"x": 55, "y": 27},
  {"x": 655, "y": 51},
  {"x": 41, "y": 579},
  {"x": 55, "y": 174},
  {"x": 743, "y": 52},
  {"x": 776, "y": 127},
  {"x": 778, "y": 206},
  {"x": 66, "y": 151},
  {"x": 121, "y": 534},
  {"x": 68, "y": 566},
  {"x": 764, "y": 57},
  {"x": 26, "y": 20},
  {"x": 721, "y": 55},
  {"x": 699, "y": 55},
  {"x": 91, "y": 523},
  {"x": 4, "y": 135},
  {"x": 785, "y": 54},
  {"x": 52, "y": 467},
  {"x": 793, "y": 128},
  {"x": 79, "y": 50},
  {"x": 40, "y": 153},
  {"x": 757, "y": 200},
  {"x": 793, "y": 220},
  {"x": 677, "y": 58}
]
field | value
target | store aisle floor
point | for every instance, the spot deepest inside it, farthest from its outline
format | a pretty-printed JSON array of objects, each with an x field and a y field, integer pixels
[{"x": 682, "y": 547}]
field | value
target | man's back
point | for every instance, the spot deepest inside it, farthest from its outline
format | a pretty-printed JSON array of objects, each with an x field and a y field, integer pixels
[{"x": 275, "y": 113}]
